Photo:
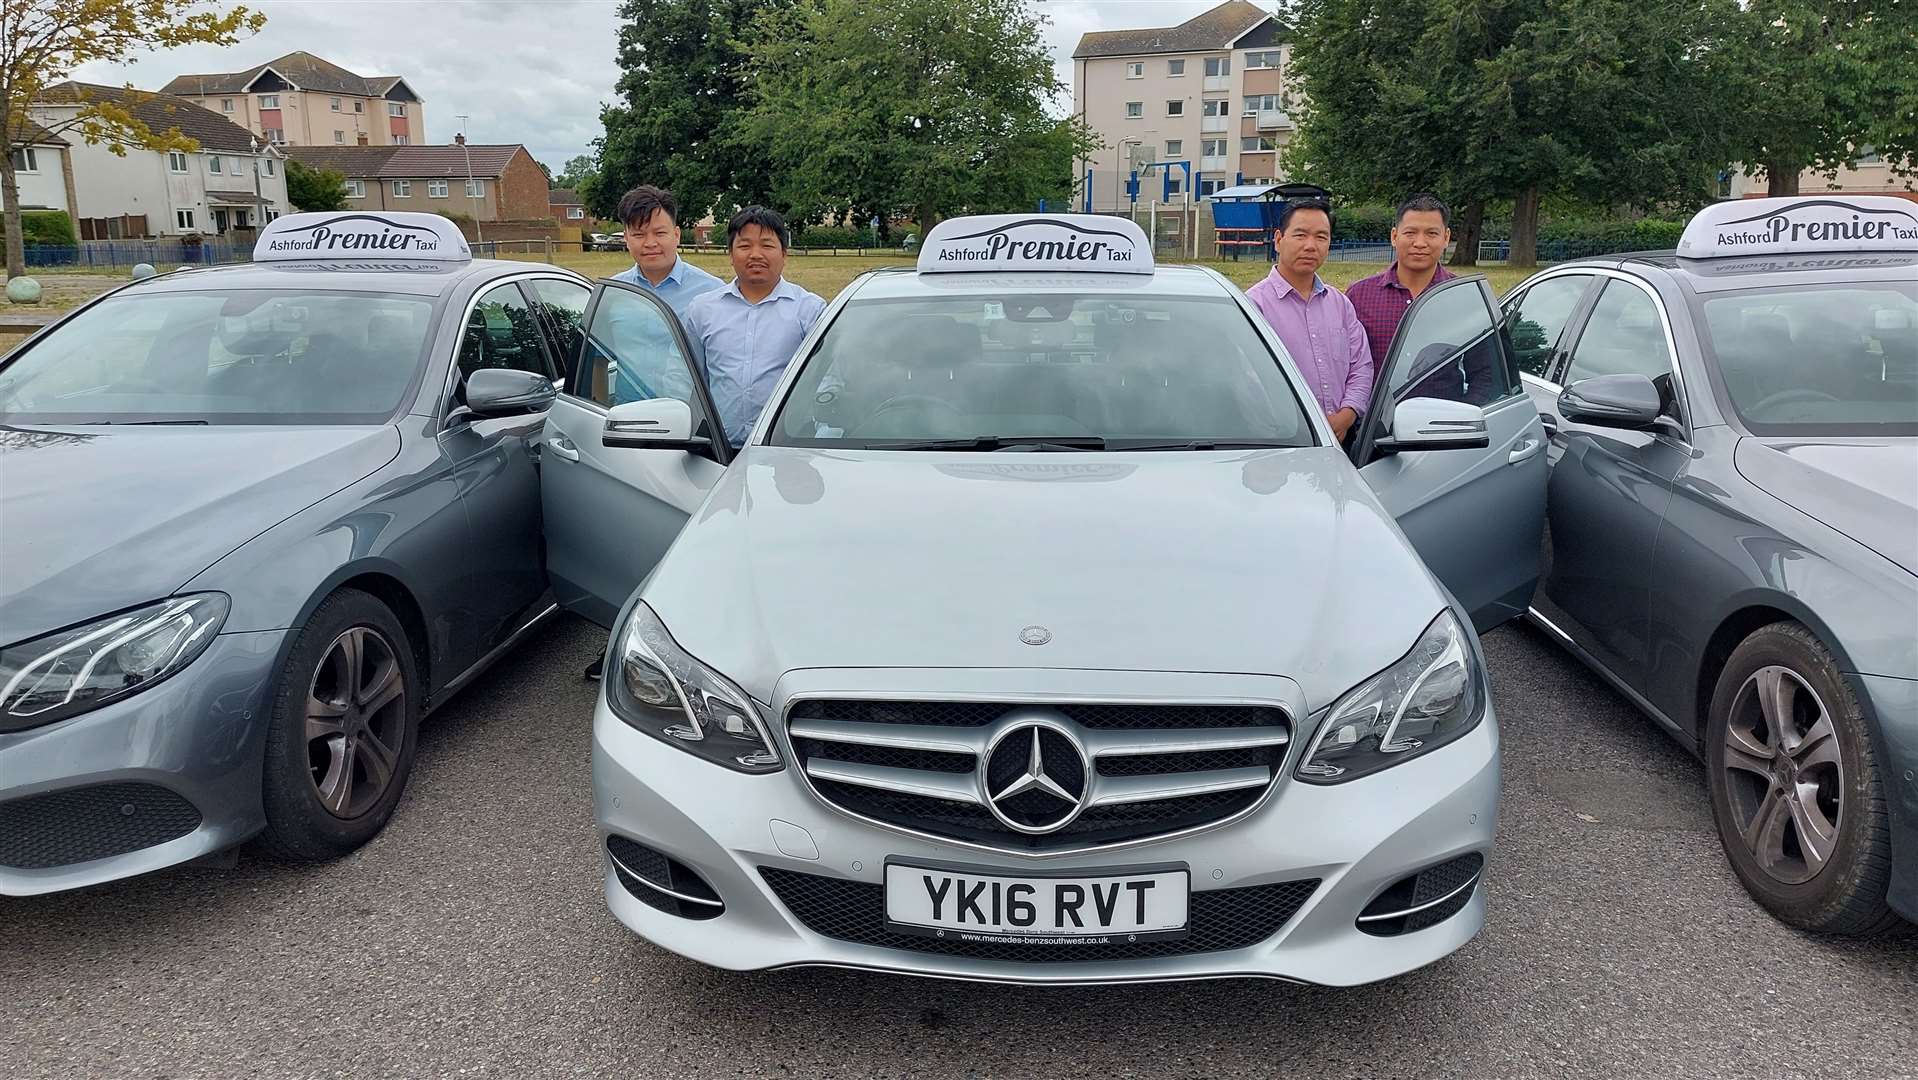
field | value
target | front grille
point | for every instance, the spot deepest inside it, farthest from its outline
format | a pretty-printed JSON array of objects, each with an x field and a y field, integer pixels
[
  {"x": 1146, "y": 769},
  {"x": 61, "y": 828},
  {"x": 662, "y": 882},
  {"x": 1403, "y": 908},
  {"x": 1219, "y": 920}
]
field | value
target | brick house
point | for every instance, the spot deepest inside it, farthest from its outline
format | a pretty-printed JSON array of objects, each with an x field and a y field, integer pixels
[
  {"x": 505, "y": 183},
  {"x": 302, "y": 100}
]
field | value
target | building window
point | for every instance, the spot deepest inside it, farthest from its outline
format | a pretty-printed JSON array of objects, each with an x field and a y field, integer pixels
[
  {"x": 1221, "y": 107},
  {"x": 476, "y": 189},
  {"x": 1254, "y": 144},
  {"x": 1175, "y": 68},
  {"x": 1868, "y": 155},
  {"x": 1258, "y": 102},
  {"x": 1210, "y": 187},
  {"x": 575, "y": 213},
  {"x": 1218, "y": 65},
  {"x": 271, "y": 213},
  {"x": 1174, "y": 186},
  {"x": 183, "y": 218},
  {"x": 399, "y": 140},
  {"x": 339, "y": 136},
  {"x": 359, "y": 106},
  {"x": 402, "y": 189},
  {"x": 333, "y": 104},
  {"x": 1174, "y": 147},
  {"x": 276, "y": 136},
  {"x": 1135, "y": 70},
  {"x": 266, "y": 166},
  {"x": 356, "y": 189},
  {"x": 395, "y": 108},
  {"x": 1134, "y": 110},
  {"x": 1175, "y": 108},
  {"x": 226, "y": 104},
  {"x": 25, "y": 160},
  {"x": 436, "y": 189},
  {"x": 1260, "y": 60},
  {"x": 213, "y": 164},
  {"x": 175, "y": 161},
  {"x": 269, "y": 101},
  {"x": 1212, "y": 147}
]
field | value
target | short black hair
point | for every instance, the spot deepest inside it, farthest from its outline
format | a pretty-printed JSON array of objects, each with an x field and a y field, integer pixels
[
  {"x": 1423, "y": 202},
  {"x": 1293, "y": 206},
  {"x": 636, "y": 206},
  {"x": 762, "y": 217}
]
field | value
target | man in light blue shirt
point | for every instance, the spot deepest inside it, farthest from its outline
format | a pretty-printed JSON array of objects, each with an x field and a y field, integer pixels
[
  {"x": 651, "y": 368},
  {"x": 745, "y": 334}
]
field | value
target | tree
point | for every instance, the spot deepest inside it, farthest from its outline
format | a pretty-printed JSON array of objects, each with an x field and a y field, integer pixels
[
  {"x": 1812, "y": 82},
  {"x": 680, "y": 92},
  {"x": 1609, "y": 101},
  {"x": 926, "y": 107},
  {"x": 43, "y": 41},
  {"x": 314, "y": 189},
  {"x": 578, "y": 170},
  {"x": 546, "y": 171}
]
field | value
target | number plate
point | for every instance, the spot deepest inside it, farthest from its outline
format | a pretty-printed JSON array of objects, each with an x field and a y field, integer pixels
[{"x": 1083, "y": 910}]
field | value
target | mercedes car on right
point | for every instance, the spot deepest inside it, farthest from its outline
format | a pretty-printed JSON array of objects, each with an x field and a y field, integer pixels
[{"x": 1732, "y": 534}]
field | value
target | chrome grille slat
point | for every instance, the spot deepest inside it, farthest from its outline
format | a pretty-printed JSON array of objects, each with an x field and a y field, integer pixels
[{"x": 1145, "y": 769}]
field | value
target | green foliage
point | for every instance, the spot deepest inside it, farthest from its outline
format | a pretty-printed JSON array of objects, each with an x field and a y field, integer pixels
[
  {"x": 578, "y": 171},
  {"x": 314, "y": 189},
  {"x": 45, "y": 227},
  {"x": 1366, "y": 224},
  {"x": 934, "y": 107},
  {"x": 1597, "y": 236}
]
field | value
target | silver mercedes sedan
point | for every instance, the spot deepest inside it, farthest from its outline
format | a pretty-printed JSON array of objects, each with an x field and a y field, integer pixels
[{"x": 1042, "y": 632}]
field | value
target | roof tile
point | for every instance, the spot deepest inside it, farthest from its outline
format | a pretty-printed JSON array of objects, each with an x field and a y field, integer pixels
[{"x": 1213, "y": 29}]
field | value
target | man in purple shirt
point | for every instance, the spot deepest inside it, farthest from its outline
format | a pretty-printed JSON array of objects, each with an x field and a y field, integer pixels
[
  {"x": 1420, "y": 230},
  {"x": 1315, "y": 321}
]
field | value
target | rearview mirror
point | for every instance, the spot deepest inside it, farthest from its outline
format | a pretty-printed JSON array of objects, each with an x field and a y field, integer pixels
[
  {"x": 1614, "y": 401},
  {"x": 495, "y": 392},
  {"x": 1434, "y": 424},
  {"x": 657, "y": 424}
]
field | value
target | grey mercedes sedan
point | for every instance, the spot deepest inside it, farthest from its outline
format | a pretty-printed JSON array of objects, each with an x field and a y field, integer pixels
[{"x": 1734, "y": 526}]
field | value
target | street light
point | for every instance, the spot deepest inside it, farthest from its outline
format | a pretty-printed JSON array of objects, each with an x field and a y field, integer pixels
[
  {"x": 465, "y": 144},
  {"x": 259, "y": 201},
  {"x": 1118, "y": 171}
]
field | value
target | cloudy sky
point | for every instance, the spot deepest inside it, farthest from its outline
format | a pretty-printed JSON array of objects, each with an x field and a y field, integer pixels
[{"x": 524, "y": 71}]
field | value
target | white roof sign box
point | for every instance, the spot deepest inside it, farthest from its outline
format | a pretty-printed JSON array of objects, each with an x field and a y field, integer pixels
[
  {"x": 362, "y": 236},
  {"x": 1055, "y": 243},
  {"x": 1801, "y": 224}
]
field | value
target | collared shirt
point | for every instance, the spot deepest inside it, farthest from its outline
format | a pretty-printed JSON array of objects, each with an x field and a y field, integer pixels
[
  {"x": 743, "y": 348},
  {"x": 1381, "y": 301},
  {"x": 648, "y": 366},
  {"x": 1324, "y": 337}
]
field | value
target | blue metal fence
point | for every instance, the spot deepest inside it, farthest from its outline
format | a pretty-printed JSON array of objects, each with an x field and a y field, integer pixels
[{"x": 164, "y": 254}]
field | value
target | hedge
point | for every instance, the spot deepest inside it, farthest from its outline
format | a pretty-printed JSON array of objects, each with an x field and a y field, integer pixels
[
  {"x": 52, "y": 228},
  {"x": 1373, "y": 224}
]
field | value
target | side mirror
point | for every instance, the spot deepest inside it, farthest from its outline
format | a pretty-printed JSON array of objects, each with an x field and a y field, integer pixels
[
  {"x": 1434, "y": 424},
  {"x": 656, "y": 424},
  {"x": 1614, "y": 401},
  {"x": 495, "y": 392}
]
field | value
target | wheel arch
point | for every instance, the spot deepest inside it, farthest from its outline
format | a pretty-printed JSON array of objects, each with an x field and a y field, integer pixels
[
  {"x": 383, "y": 581},
  {"x": 1745, "y": 615}
]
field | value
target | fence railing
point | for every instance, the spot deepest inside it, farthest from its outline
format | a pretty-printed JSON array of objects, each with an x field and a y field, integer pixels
[{"x": 163, "y": 254}]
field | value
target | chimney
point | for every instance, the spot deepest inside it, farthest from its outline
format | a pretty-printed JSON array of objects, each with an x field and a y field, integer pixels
[{"x": 459, "y": 140}]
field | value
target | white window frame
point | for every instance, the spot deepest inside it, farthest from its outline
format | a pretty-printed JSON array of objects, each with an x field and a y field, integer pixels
[
  {"x": 1216, "y": 107},
  {"x": 476, "y": 189},
  {"x": 1175, "y": 69},
  {"x": 1218, "y": 66},
  {"x": 1210, "y": 186},
  {"x": 356, "y": 189},
  {"x": 1174, "y": 147},
  {"x": 266, "y": 166},
  {"x": 402, "y": 189},
  {"x": 26, "y": 160},
  {"x": 1174, "y": 185},
  {"x": 436, "y": 189},
  {"x": 1258, "y": 149},
  {"x": 1175, "y": 107},
  {"x": 399, "y": 140},
  {"x": 183, "y": 219},
  {"x": 339, "y": 137},
  {"x": 1251, "y": 108},
  {"x": 396, "y": 108},
  {"x": 359, "y": 106},
  {"x": 1135, "y": 69},
  {"x": 333, "y": 104},
  {"x": 276, "y": 136},
  {"x": 176, "y": 162},
  {"x": 1135, "y": 110},
  {"x": 214, "y": 165},
  {"x": 1264, "y": 60},
  {"x": 269, "y": 101},
  {"x": 1212, "y": 147},
  {"x": 226, "y": 104},
  {"x": 575, "y": 213}
]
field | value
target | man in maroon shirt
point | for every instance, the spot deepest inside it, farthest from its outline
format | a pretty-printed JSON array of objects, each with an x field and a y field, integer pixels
[{"x": 1420, "y": 230}]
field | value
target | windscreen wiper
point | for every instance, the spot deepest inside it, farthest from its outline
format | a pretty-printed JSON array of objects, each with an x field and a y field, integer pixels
[
  {"x": 1207, "y": 444},
  {"x": 140, "y": 423},
  {"x": 998, "y": 442}
]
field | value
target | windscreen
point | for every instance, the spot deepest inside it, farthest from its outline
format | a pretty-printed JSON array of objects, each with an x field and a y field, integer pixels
[
  {"x": 1831, "y": 360},
  {"x": 1119, "y": 371},
  {"x": 240, "y": 357}
]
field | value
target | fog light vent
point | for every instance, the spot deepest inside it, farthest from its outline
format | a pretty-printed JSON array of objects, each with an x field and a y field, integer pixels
[
  {"x": 1424, "y": 899},
  {"x": 662, "y": 882}
]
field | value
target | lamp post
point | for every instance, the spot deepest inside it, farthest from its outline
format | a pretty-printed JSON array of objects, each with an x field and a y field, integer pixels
[
  {"x": 259, "y": 201},
  {"x": 478, "y": 233},
  {"x": 1118, "y": 172}
]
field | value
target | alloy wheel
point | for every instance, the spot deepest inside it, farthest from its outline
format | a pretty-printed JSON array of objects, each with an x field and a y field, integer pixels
[
  {"x": 355, "y": 721},
  {"x": 1785, "y": 775}
]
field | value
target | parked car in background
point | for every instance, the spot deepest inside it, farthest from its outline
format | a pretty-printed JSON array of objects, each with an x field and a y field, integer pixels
[{"x": 1734, "y": 526}]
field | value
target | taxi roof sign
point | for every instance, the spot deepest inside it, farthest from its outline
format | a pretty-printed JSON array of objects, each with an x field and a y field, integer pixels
[
  {"x": 362, "y": 237},
  {"x": 1799, "y": 225},
  {"x": 1054, "y": 243}
]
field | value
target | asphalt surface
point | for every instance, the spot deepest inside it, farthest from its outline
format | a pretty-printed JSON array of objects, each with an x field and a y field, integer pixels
[{"x": 471, "y": 939}]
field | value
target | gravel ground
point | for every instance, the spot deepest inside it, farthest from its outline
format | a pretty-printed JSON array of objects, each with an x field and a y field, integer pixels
[{"x": 471, "y": 939}]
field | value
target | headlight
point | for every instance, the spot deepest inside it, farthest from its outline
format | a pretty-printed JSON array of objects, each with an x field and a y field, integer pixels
[
  {"x": 1431, "y": 696},
  {"x": 667, "y": 694},
  {"x": 70, "y": 672}
]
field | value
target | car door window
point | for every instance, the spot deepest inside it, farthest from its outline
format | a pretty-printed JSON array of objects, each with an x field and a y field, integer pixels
[
  {"x": 1537, "y": 321},
  {"x": 1623, "y": 336},
  {"x": 563, "y": 303},
  {"x": 1453, "y": 351},
  {"x": 502, "y": 332},
  {"x": 635, "y": 351}
]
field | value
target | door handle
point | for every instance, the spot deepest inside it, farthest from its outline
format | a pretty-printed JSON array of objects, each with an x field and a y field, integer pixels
[
  {"x": 1527, "y": 449},
  {"x": 564, "y": 447}
]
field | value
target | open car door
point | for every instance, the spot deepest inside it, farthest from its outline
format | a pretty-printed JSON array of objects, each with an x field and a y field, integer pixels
[
  {"x": 610, "y": 511},
  {"x": 1476, "y": 512}
]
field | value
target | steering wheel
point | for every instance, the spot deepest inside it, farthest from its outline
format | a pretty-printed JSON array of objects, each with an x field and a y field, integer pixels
[
  {"x": 904, "y": 401},
  {"x": 1787, "y": 397}
]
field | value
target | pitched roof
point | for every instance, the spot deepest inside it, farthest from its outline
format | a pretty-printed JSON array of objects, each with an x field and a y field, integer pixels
[
  {"x": 563, "y": 196},
  {"x": 1214, "y": 29},
  {"x": 303, "y": 69},
  {"x": 447, "y": 161},
  {"x": 27, "y": 133},
  {"x": 159, "y": 112}
]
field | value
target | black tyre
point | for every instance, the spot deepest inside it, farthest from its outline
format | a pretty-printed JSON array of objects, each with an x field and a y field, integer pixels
[
  {"x": 343, "y": 730},
  {"x": 1796, "y": 789}
]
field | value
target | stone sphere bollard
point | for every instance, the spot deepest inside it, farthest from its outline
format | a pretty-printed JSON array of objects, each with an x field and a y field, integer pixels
[
  {"x": 23, "y": 290},
  {"x": 141, "y": 271}
]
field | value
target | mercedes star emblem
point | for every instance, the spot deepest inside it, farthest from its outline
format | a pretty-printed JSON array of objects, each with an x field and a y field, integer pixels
[
  {"x": 1035, "y": 635},
  {"x": 1036, "y": 776}
]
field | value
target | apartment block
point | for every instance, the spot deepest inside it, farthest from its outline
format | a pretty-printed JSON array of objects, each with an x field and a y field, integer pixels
[
  {"x": 1210, "y": 91},
  {"x": 303, "y": 100}
]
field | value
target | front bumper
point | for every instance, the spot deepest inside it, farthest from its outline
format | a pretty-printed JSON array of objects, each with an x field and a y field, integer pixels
[
  {"x": 1356, "y": 839},
  {"x": 160, "y": 778}
]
